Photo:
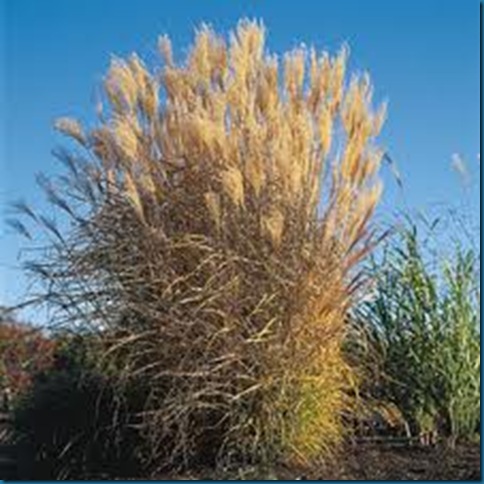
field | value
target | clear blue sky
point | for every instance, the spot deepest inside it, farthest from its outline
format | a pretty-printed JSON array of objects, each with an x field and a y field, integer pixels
[{"x": 423, "y": 56}]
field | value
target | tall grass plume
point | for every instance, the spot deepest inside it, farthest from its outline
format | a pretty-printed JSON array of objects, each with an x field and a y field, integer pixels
[{"x": 219, "y": 210}]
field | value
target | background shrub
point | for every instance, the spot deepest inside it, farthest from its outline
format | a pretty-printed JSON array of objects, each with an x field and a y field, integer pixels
[
  {"x": 72, "y": 423},
  {"x": 24, "y": 351}
]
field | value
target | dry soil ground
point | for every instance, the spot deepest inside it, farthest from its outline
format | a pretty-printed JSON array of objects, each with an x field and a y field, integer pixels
[{"x": 382, "y": 462}]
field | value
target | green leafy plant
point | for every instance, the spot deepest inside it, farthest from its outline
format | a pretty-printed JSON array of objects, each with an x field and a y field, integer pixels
[{"x": 423, "y": 322}]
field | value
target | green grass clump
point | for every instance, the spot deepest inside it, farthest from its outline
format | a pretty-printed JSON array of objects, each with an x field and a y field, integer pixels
[{"x": 423, "y": 321}]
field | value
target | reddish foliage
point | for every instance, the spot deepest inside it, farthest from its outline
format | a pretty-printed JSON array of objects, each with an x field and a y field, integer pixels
[{"x": 24, "y": 351}]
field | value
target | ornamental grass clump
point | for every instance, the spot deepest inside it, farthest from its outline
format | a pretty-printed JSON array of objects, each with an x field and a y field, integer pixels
[
  {"x": 423, "y": 323},
  {"x": 219, "y": 210}
]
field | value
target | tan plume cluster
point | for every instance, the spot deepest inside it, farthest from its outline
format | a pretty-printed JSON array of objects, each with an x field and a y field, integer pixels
[
  {"x": 223, "y": 237},
  {"x": 254, "y": 128}
]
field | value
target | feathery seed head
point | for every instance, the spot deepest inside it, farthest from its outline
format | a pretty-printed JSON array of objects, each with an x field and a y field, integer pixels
[
  {"x": 71, "y": 127},
  {"x": 234, "y": 151}
]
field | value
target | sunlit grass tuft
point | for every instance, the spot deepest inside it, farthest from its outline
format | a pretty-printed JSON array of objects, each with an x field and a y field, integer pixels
[{"x": 218, "y": 214}]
